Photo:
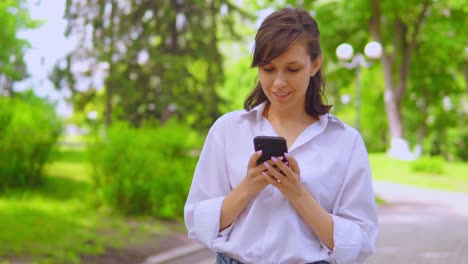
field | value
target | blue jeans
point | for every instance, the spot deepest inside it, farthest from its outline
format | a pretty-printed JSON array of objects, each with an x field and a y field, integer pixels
[{"x": 222, "y": 258}]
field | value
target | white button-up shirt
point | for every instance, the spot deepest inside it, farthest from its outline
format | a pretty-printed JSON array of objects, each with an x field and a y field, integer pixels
[{"x": 334, "y": 168}]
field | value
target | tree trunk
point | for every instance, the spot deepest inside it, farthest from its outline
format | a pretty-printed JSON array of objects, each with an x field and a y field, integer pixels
[
  {"x": 6, "y": 85},
  {"x": 395, "y": 122},
  {"x": 465, "y": 73},
  {"x": 110, "y": 83},
  {"x": 394, "y": 91},
  {"x": 108, "y": 110}
]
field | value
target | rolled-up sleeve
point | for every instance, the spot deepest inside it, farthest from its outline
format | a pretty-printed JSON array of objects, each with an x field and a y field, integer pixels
[
  {"x": 210, "y": 185},
  {"x": 355, "y": 214}
]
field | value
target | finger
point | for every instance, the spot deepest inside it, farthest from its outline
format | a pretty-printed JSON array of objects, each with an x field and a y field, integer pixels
[
  {"x": 282, "y": 166},
  {"x": 270, "y": 162},
  {"x": 253, "y": 159},
  {"x": 276, "y": 172},
  {"x": 270, "y": 179},
  {"x": 293, "y": 163},
  {"x": 261, "y": 167}
]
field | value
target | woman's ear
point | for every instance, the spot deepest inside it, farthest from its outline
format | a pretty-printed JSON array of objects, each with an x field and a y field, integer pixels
[{"x": 316, "y": 64}]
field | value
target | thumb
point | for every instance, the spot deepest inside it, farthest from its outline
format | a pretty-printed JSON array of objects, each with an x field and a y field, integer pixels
[{"x": 253, "y": 159}]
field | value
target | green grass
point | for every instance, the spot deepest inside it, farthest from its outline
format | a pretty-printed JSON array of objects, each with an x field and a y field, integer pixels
[
  {"x": 60, "y": 222},
  {"x": 454, "y": 175}
]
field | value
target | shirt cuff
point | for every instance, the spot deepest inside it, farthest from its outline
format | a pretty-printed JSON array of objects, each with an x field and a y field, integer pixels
[
  {"x": 348, "y": 240},
  {"x": 206, "y": 222}
]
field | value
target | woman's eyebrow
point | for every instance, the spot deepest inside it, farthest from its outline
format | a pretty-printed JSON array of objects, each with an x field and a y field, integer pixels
[
  {"x": 295, "y": 62},
  {"x": 289, "y": 63}
]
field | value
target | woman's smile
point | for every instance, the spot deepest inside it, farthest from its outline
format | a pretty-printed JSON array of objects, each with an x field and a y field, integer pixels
[{"x": 282, "y": 96}]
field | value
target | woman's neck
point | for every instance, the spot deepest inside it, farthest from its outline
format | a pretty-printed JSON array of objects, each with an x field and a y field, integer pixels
[
  {"x": 285, "y": 116},
  {"x": 288, "y": 123}
]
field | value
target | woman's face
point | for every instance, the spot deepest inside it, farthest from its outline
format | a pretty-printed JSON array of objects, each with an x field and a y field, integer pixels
[{"x": 285, "y": 79}]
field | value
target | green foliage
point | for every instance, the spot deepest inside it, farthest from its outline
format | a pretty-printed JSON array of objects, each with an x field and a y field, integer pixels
[
  {"x": 457, "y": 143},
  {"x": 373, "y": 117},
  {"x": 433, "y": 165},
  {"x": 435, "y": 66},
  {"x": 434, "y": 86},
  {"x": 161, "y": 58},
  {"x": 57, "y": 223},
  {"x": 14, "y": 17},
  {"x": 240, "y": 80},
  {"x": 186, "y": 76},
  {"x": 29, "y": 130},
  {"x": 145, "y": 171}
]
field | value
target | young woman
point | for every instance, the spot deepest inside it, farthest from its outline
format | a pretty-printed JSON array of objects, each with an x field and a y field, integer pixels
[{"x": 316, "y": 208}]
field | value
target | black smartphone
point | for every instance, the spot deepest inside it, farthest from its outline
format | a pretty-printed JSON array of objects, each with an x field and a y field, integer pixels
[{"x": 271, "y": 147}]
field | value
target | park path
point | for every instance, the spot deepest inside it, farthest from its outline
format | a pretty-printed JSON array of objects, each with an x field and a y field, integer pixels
[
  {"x": 417, "y": 225},
  {"x": 421, "y": 226}
]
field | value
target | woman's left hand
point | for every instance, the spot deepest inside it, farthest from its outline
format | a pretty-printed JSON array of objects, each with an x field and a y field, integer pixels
[{"x": 285, "y": 178}]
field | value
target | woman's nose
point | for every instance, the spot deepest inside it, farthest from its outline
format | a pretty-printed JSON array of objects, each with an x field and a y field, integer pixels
[{"x": 280, "y": 81}]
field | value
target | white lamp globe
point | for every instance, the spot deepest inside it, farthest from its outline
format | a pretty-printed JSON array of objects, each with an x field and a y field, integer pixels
[
  {"x": 344, "y": 51},
  {"x": 373, "y": 50},
  {"x": 92, "y": 115}
]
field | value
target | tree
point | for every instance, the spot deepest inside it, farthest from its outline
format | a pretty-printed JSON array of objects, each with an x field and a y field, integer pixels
[
  {"x": 161, "y": 58},
  {"x": 404, "y": 28},
  {"x": 14, "y": 17}
]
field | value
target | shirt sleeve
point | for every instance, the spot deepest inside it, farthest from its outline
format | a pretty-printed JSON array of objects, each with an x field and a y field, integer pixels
[
  {"x": 354, "y": 214},
  {"x": 210, "y": 185}
]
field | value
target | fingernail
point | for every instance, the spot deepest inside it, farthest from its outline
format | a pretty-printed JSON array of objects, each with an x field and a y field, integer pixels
[
  {"x": 266, "y": 164},
  {"x": 281, "y": 158},
  {"x": 259, "y": 152},
  {"x": 287, "y": 155},
  {"x": 264, "y": 174},
  {"x": 274, "y": 159}
]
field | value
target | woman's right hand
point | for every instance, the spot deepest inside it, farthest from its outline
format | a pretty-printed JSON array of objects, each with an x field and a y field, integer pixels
[
  {"x": 236, "y": 201},
  {"x": 254, "y": 182}
]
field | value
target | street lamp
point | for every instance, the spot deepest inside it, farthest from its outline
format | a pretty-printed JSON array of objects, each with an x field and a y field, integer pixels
[{"x": 373, "y": 50}]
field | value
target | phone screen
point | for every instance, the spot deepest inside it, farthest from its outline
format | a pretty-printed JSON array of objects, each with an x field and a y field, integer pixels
[{"x": 271, "y": 147}]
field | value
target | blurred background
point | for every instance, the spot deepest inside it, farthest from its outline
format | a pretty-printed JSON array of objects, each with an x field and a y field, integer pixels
[{"x": 105, "y": 104}]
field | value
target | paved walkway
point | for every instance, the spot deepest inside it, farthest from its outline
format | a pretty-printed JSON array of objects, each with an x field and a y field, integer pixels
[
  {"x": 416, "y": 226},
  {"x": 421, "y": 226}
]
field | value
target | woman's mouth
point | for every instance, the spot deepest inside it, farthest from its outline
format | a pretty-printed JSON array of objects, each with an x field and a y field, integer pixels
[{"x": 282, "y": 96}]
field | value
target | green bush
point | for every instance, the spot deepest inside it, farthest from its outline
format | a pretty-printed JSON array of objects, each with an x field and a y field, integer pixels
[
  {"x": 29, "y": 128},
  {"x": 146, "y": 170},
  {"x": 433, "y": 165},
  {"x": 457, "y": 143}
]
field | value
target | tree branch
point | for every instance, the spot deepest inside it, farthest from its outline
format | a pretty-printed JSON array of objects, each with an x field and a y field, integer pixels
[
  {"x": 407, "y": 48},
  {"x": 405, "y": 60},
  {"x": 418, "y": 23},
  {"x": 374, "y": 21},
  {"x": 375, "y": 29}
]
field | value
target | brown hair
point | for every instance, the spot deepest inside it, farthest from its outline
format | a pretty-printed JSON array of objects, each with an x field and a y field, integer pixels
[{"x": 277, "y": 32}]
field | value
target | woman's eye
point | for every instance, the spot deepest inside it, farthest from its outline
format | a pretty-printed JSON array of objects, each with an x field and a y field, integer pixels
[
  {"x": 294, "y": 70},
  {"x": 268, "y": 69}
]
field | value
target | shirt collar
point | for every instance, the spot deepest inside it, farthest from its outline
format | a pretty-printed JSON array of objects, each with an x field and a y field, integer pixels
[
  {"x": 257, "y": 111},
  {"x": 323, "y": 119}
]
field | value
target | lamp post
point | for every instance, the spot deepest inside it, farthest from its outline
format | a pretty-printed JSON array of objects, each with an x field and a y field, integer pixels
[{"x": 344, "y": 52}]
